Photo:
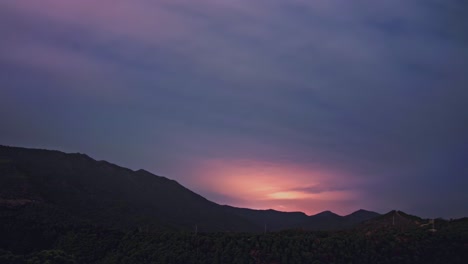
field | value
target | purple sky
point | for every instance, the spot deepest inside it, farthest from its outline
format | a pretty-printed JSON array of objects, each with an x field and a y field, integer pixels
[{"x": 285, "y": 104}]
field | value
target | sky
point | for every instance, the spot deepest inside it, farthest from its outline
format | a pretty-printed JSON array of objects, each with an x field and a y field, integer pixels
[{"x": 294, "y": 105}]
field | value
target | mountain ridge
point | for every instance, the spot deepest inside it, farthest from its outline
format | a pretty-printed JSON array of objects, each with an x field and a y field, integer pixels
[{"x": 109, "y": 194}]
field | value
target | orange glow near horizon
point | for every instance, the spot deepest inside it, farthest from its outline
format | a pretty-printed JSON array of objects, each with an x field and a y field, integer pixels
[
  {"x": 288, "y": 195},
  {"x": 262, "y": 185}
]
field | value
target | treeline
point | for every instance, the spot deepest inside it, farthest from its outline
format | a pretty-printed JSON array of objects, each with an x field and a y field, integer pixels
[{"x": 28, "y": 241}]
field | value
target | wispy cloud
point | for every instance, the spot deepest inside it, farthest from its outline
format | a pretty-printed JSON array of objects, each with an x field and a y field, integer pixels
[{"x": 371, "y": 92}]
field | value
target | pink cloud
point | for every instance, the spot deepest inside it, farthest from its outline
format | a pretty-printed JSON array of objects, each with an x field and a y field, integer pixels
[
  {"x": 133, "y": 28},
  {"x": 194, "y": 31},
  {"x": 74, "y": 70},
  {"x": 111, "y": 18},
  {"x": 278, "y": 186},
  {"x": 145, "y": 20}
]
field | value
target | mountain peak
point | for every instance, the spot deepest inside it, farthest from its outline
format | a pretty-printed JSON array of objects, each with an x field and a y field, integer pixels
[
  {"x": 326, "y": 213},
  {"x": 360, "y": 216},
  {"x": 142, "y": 171},
  {"x": 363, "y": 212},
  {"x": 394, "y": 218}
]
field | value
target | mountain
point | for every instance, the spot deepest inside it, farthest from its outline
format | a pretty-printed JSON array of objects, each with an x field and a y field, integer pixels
[
  {"x": 270, "y": 220},
  {"x": 394, "y": 219},
  {"x": 328, "y": 220},
  {"x": 75, "y": 187},
  {"x": 106, "y": 194},
  {"x": 69, "y": 208},
  {"x": 273, "y": 220},
  {"x": 359, "y": 216}
]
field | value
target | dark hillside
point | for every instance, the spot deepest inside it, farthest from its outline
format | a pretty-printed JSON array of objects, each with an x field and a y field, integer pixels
[{"x": 105, "y": 193}]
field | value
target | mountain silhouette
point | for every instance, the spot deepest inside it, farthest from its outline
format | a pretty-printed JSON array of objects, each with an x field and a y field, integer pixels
[
  {"x": 106, "y": 194},
  {"x": 75, "y": 187},
  {"x": 394, "y": 219}
]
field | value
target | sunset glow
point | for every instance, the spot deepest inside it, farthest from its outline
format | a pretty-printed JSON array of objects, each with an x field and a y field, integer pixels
[
  {"x": 289, "y": 104},
  {"x": 286, "y": 187},
  {"x": 288, "y": 195}
]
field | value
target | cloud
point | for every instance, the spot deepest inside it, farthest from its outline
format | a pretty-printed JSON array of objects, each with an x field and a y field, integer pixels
[
  {"x": 320, "y": 188},
  {"x": 342, "y": 96},
  {"x": 274, "y": 185}
]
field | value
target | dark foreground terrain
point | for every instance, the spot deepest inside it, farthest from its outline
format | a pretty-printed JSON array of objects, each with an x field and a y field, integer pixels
[
  {"x": 69, "y": 208},
  {"x": 27, "y": 238}
]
